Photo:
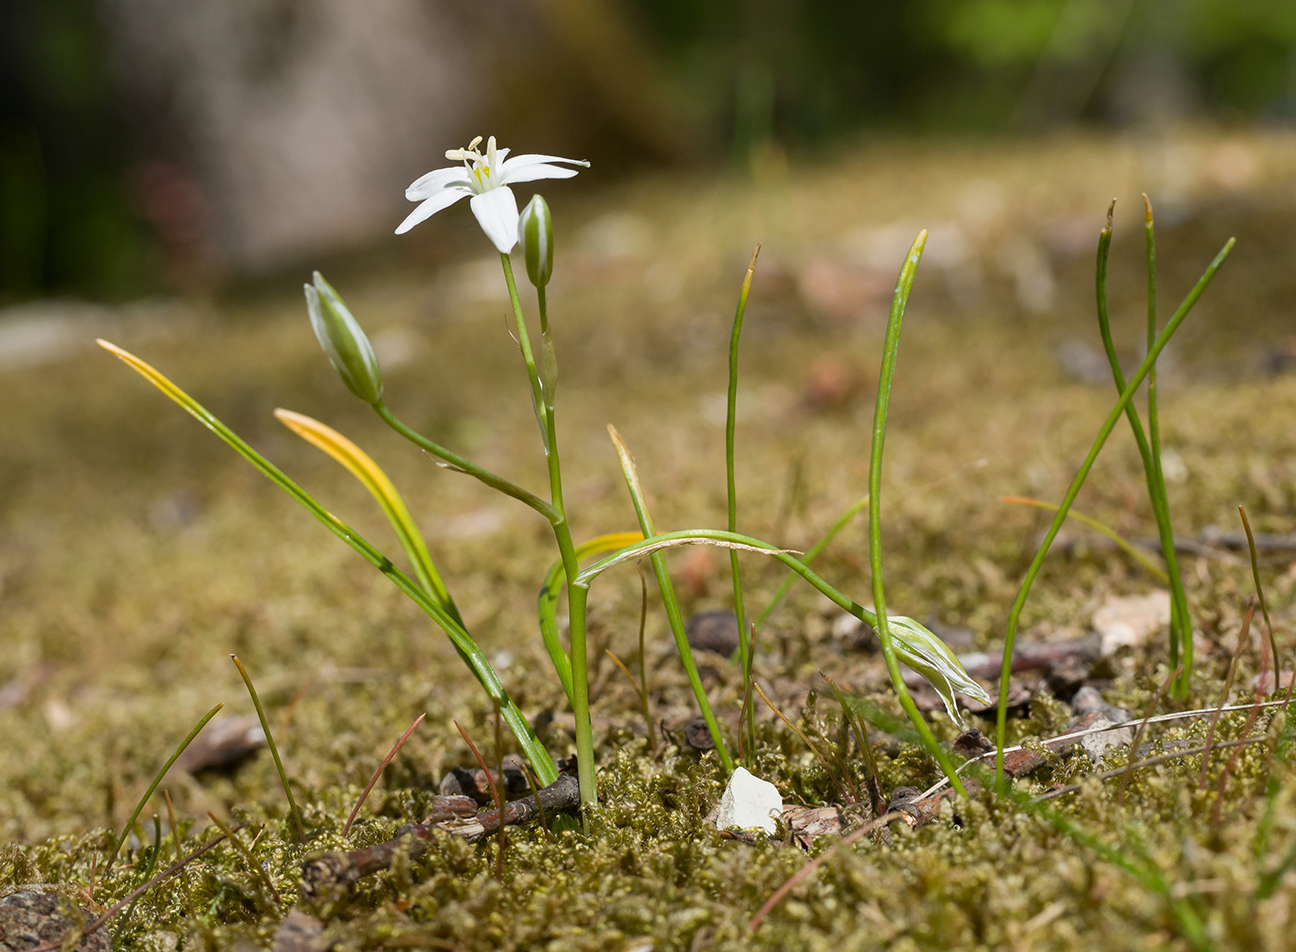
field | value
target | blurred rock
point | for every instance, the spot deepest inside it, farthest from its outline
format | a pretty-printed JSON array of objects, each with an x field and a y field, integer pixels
[
  {"x": 1130, "y": 620},
  {"x": 713, "y": 631},
  {"x": 300, "y": 933},
  {"x": 31, "y": 917},
  {"x": 276, "y": 129},
  {"x": 223, "y": 745}
]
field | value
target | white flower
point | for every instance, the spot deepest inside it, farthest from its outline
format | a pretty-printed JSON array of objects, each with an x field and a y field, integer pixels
[{"x": 487, "y": 179}]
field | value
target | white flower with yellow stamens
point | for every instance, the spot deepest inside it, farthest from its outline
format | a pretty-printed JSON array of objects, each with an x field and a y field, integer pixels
[{"x": 487, "y": 179}]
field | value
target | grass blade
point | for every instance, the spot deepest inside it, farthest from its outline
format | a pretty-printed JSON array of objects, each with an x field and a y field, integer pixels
[
  {"x": 360, "y": 465},
  {"x": 1149, "y": 452},
  {"x": 886, "y": 377},
  {"x": 744, "y": 638},
  {"x": 459, "y": 636},
  {"x": 1153, "y": 569},
  {"x": 1264, "y": 606},
  {"x": 157, "y": 779},
  {"x": 391, "y": 755},
  {"x": 1109, "y": 424},
  {"x": 274, "y": 750},
  {"x": 673, "y": 614}
]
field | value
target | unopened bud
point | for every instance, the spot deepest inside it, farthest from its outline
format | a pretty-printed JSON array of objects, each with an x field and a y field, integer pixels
[
  {"x": 344, "y": 343},
  {"x": 927, "y": 655},
  {"x": 535, "y": 233}
]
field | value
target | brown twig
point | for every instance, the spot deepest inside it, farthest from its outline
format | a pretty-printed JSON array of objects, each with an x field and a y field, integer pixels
[
  {"x": 1138, "y": 734},
  {"x": 453, "y": 815},
  {"x": 391, "y": 755},
  {"x": 1243, "y": 636},
  {"x": 136, "y": 893},
  {"x": 495, "y": 795}
]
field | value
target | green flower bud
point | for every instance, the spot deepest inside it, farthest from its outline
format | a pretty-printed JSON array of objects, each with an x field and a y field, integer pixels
[
  {"x": 929, "y": 656},
  {"x": 535, "y": 234},
  {"x": 344, "y": 343}
]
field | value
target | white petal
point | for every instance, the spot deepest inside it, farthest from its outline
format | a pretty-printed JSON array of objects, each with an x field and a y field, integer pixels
[
  {"x": 521, "y": 161},
  {"x": 442, "y": 199},
  {"x": 497, "y": 213},
  {"x": 533, "y": 173},
  {"x": 434, "y": 181}
]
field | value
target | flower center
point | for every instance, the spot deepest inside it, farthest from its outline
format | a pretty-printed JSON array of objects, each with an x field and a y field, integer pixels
[{"x": 481, "y": 166}]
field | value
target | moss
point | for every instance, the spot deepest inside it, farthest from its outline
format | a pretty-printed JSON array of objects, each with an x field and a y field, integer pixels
[{"x": 135, "y": 554}]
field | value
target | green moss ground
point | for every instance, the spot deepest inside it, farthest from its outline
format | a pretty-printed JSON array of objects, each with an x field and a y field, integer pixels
[{"x": 137, "y": 552}]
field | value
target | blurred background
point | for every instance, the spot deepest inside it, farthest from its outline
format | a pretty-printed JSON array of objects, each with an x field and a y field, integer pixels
[{"x": 159, "y": 146}]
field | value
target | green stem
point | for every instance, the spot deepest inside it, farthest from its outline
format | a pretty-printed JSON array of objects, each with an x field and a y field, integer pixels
[
  {"x": 654, "y": 546},
  {"x": 886, "y": 377},
  {"x": 1108, "y": 425},
  {"x": 524, "y": 342},
  {"x": 576, "y": 601},
  {"x": 745, "y": 656},
  {"x": 542, "y": 398},
  {"x": 813, "y": 553},
  {"x": 458, "y": 462},
  {"x": 1149, "y": 452},
  {"x": 1180, "y": 620}
]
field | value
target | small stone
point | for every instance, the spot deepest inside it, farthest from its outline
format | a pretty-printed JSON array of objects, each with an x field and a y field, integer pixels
[
  {"x": 698, "y": 735},
  {"x": 300, "y": 933},
  {"x": 749, "y": 803},
  {"x": 31, "y": 917},
  {"x": 1097, "y": 744},
  {"x": 713, "y": 631},
  {"x": 1129, "y": 621}
]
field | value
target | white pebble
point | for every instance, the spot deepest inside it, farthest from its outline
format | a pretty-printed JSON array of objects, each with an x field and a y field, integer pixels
[{"x": 749, "y": 803}]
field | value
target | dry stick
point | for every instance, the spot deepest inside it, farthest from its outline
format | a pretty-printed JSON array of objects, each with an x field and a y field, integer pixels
[
  {"x": 813, "y": 749},
  {"x": 391, "y": 755},
  {"x": 274, "y": 750},
  {"x": 1246, "y": 729},
  {"x": 622, "y": 665},
  {"x": 175, "y": 830},
  {"x": 139, "y": 807},
  {"x": 1138, "y": 734},
  {"x": 1151, "y": 762},
  {"x": 1264, "y": 607},
  {"x": 801, "y": 874},
  {"x": 134, "y": 894},
  {"x": 495, "y": 794},
  {"x": 246, "y": 853},
  {"x": 1243, "y": 635},
  {"x": 322, "y": 874}
]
